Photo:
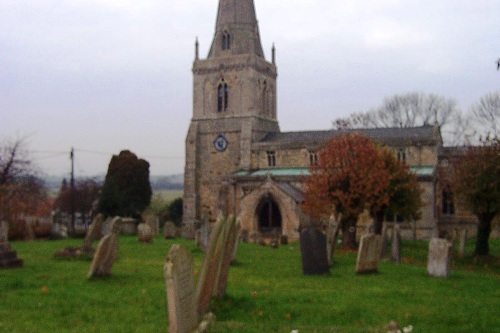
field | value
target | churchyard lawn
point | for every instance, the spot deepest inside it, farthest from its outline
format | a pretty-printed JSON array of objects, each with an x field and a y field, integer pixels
[{"x": 267, "y": 292}]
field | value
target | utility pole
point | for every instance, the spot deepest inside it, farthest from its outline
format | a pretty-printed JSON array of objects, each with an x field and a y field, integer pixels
[{"x": 72, "y": 189}]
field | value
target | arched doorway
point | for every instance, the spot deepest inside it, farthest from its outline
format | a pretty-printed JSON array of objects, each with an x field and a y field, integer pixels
[{"x": 269, "y": 217}]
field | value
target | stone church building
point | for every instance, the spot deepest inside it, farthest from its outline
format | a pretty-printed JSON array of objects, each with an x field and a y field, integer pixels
[{"x": 237, "y": 159}]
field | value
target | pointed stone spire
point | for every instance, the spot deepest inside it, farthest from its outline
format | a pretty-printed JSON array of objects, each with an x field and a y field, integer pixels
[{"x": 236, "y": 30}]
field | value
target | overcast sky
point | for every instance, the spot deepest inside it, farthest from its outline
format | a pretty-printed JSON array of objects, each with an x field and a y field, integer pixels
[{"x": 106, "y": 75}]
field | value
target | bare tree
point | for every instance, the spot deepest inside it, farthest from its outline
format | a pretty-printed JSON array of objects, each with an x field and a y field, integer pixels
[
  {"x": 407, "y": 110},
  {"x": 485, "y": 115},
  {"x": 14, "y": 161}
]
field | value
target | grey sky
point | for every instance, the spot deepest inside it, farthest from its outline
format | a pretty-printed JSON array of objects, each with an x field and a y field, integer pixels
[{"x": 107, "y": 75}]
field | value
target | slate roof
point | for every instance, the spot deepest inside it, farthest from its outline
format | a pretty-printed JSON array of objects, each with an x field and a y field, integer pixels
[{"x": 382, "y": 135}]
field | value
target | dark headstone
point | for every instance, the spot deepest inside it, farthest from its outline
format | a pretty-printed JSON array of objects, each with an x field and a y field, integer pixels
[
  {"x": 313, "y": 248},
  {"x": 8, "y": 257},
  {"x": 284, "y": 240}
]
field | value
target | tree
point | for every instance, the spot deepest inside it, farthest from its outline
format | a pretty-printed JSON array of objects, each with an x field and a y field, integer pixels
[
  {"x": 477, "y": 183},
  {"x": 408, "y": 110},
  {"x": 175, "y": 211},
  {"x": 21, "y": 191},
  {"x": 126, "y": 190},
  {"x": 403, "y": 190},
  {"x": 86, "y": 193},
  {"x": 485, "y": 115},
  {"x": 349, "y": 177}
]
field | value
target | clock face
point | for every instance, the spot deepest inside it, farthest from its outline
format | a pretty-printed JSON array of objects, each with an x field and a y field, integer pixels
[{"x": 220, "y": 143}]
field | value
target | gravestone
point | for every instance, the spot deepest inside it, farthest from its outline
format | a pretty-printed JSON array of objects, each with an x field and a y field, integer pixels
[
  {"x": 58, "y": 231},
  {"x": 313, "y": 249},
  {"x": 144, "y": 233},
  {"x": 332, "y": 234},
  {"x": 396, "y": 244},
  {"x": 8, "y": 257},
  {"x": 463, "y": 242},
  {"x": 95, "y": 231},
  {"x": 244, "y": 236},
  {"x": 170, "y": 230},
  {"x": 181, "y": 301},
  {"x": 205, "y": 233},
  {"x": 385, "y": 239},
  {"x": 284, "y": 240},
  {"x": 230, "y": 235},
  {"x": 369, "y": 253},
  {"x": 128, "y": 226},
  {"x": 154, "y": 223},
  {"x": 106, "y": 252},
  {"x": 236, "y": 243},
  {"x": 4, "y": 232},
  {"x": 210, "y": 267},
  {"x": 438, "y": 262}
]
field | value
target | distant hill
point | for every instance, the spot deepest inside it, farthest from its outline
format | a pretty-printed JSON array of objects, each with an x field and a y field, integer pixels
[{"x": 171, "y": 182}]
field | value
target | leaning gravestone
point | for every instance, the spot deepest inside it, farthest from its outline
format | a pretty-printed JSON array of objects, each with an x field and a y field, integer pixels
[
  {"x": 145, "y": 233},
  {"x": 8, "y": 257},
  {"x": 369, "y": 254},
  {"x": 231, "y": 233},
  {"x": 313, "y": 248},
  {"x": 438, "y": 262},
  {"x": 210, "y": 267},
  {"x": 95, "y": 231},
  {"x": 106, "y": 252},
  {"x": 181, "y": 301}
]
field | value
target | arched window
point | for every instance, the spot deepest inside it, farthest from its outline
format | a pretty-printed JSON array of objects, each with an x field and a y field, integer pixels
[
  {"x": 401, "y": 155},
  {"x": 222, "y": 97},
  {"x": 226, "y": 41}
]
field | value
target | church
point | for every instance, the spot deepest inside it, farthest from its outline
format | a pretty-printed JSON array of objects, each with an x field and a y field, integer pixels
[{"x": 239, "y": 162}]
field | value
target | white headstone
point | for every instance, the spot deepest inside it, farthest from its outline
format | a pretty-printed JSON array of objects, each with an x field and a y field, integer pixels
[{"x": 438, "y": 262}]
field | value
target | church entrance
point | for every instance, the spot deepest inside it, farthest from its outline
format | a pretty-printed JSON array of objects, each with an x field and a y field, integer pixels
[{"x": 269, "y": 217}]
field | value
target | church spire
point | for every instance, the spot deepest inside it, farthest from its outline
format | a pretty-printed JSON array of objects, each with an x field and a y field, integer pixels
[{"x": 236, "y": 30}]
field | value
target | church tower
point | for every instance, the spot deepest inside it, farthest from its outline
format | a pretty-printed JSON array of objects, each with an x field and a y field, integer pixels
[{"x": 234, "y": 105}]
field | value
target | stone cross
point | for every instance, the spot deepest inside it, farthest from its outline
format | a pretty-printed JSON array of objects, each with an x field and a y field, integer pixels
[
  {"x": 369, "y": 251},
  {"x": 181, "y": 300},
  {"x": 438, "y": 263},
  {"x": 106, "y": 252},
  {"x": 313, "y": 250}
]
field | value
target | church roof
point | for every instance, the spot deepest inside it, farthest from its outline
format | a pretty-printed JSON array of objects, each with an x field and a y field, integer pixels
[
  {"x": 382, "y": 135},
  {"x": 236, "y": 21}
]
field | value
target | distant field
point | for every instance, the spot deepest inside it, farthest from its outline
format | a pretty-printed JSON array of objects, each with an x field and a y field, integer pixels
[{"x": 167, "y": 195}]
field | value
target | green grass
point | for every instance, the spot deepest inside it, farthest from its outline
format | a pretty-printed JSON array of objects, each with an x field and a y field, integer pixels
[{"x": 267, "y": 293}]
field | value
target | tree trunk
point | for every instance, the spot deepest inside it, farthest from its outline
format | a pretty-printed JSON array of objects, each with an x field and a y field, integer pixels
[
  {"x": 349, "y": 234},
  {"x": 483, "y": 236},
  {"x": 378, "y": 221}
]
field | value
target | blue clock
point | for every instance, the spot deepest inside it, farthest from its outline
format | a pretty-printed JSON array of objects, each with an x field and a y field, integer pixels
[{"x": 220, "y": 143}]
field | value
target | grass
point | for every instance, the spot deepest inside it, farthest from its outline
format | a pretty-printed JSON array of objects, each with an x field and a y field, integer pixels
[{"x": 267, "y": 292}]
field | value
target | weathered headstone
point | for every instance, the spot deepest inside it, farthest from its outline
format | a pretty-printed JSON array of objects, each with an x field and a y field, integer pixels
[
  {"x": 332, "y": 235},
  {"x": 313, "y": 248},
  {"x": 244, "y": 236},
  {"x": 4, "y": 232},
  {"x": 128, "y": 226},
  {"x": 396, "y": 244},
  {"x": 230, "y": 234},
  {"x": 210, "y": 267},
  {"x": 369, "y": 254},
  {"x": 8, "y": 257},
  {"x": 154, "y": 223},
  {"x": 106, "y": 252},
  {"x": 95, "y": 231},
  {"x": 438, "y": 262},
  {"x": 170, "y": 230},
  {"x": 58, "y": 231},
  {"x": 144, "y": 233},
  {"x": 284, "y": 240},
  {"x": 181, "y": 297},
  {"x": 463, "y": 242}
]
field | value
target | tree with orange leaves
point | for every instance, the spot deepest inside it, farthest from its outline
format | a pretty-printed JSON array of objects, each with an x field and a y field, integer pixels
[{"x": 350, "y": 176}]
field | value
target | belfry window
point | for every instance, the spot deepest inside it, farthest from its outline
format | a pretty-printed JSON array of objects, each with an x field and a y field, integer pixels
[
  {"x": 222, "y": 97},
  {"x": 401, "y": 155},
  {"x": 313, "y": 158},
  {"x": 271, "y": 158},
  {"x": 226, "y": 41}
]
